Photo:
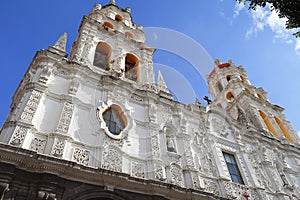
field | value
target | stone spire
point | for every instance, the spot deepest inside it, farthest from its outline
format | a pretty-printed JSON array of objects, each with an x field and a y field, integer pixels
[
  {"x": 161, "y": 84},
  {"x": 113, "y": 2},
  {"x": 61, "y": 43}
]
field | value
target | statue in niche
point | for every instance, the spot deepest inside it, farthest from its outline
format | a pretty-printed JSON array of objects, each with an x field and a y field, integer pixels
[{"x": 170, "y": 145}]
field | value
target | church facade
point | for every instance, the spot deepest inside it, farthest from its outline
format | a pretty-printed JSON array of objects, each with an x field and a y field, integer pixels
[{"x": 97, "y": 126}]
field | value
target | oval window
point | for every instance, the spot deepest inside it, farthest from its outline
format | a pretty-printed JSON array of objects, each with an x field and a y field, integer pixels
[{"x": 114, "y": 119}]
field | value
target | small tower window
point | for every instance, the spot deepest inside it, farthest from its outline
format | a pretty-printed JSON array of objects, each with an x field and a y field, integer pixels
[
  {"x": 259, "y": 96},
  {"x": 268, "y": 123},
  {"x": 118, "y": 18},
  {"x": 108, "y": 25},
  {"x": 233, "y": 168},
  {"x": 131, "y": 67},
  {"x": 102, "y": 55},
  {"x": 114, "y": 119},
  {"x": 283, "y": 129},
  {"x": 130, "y": 35},
  {"x": 244, "y": 79},
  {"x": 229, "y": 97},
  {"x": 228, "y": 77},
  {"x": 247, "y": 90}
]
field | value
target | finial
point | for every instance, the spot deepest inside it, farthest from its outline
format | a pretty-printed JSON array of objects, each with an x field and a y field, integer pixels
[
  {"x": 161, "y": 84},
  {"x": 217, "y": 62},
  {"x": 128, "y": 9},
  {"x": 97, "y": 6},
  {"x": 61, "y": 43},
  {"x": 113, "y": 2}
]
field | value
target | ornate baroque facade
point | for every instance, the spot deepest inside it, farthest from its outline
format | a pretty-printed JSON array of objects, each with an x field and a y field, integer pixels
[{"x": 96, "y": 126}]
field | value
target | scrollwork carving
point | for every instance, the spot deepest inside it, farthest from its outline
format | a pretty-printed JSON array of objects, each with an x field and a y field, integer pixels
[
  {"x": 18, "y": 136},
  {"x": 112, "y": 160},
  {"x": 31, "y": 106},
  {"x": 137, "y": 170},
  {"x": 65, "y": 118},
  {"x": 81, "y": 156},
  {"x": 38, "y": 144},
  {"x": 58, "y": 147}
]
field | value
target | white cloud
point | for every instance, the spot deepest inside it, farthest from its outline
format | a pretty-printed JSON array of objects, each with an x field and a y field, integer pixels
[
  {"x": 238, "y": 8},
  {"x": 297, "y": 49},
  {"x": 263, "y": 18}
]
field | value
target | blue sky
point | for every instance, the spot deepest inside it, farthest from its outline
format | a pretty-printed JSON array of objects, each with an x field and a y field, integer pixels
[{"x": 256, "y": 40}]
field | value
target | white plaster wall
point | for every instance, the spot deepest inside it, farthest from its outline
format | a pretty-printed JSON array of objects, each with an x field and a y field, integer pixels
[
  {"x": 47, "y": 115},
  {"x": 81, "y": 128},
  {"x": 58, "y": 85}
]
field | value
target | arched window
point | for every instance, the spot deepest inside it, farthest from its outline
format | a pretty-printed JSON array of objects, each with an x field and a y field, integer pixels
[
  {"x": 247, "y": 90},
  {"x": 228, "y": 78},
  {"x": 268, "y": 123},
  {"x": 259, "y": 96},
  {"x": 229, "y": 97},
  {"x": 283, "y": 129},
  {"x": 131, "y": 67},
  {"x": 118, "y": 18},
  {"x": 102, "y": 55},
  {"x": 108, "y": 25},
  {"x": 114, "y": 119},
  {"x": 130, "y": 35},
  {"x": 244, "y": 79}
]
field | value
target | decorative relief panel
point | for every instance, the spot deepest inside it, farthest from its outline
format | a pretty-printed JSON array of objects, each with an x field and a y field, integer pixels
[
  {"x": 160, "y": 173},
  {"x": 58, "y": 147},
  {"x": 176, "y": 175},
  {"x": 155, "y": 146},
  {"x": 18, "y": 136},
  {"x": 38, "y": 144},
  {"x": 80, "y": 46},
  {"x": 65, "y": 118},
  {"x": 188, "y": 154},
  {"x": 31, "y": 106},
  {"x": 137, "y": 170},
  {"x": 211, "y": 187},
  {"x": 112, "y": 160},
  {"x": 239, "y": 192},
  {"x": 219, "y": 127},
  {"x": 196, "y": 181},
  {"x": 81, "y": 156}
]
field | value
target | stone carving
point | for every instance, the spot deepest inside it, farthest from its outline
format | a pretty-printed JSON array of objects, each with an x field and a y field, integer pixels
[
  {"x": 160, "y": 173},
  {"x": 171, "y": 144},
  {"x": 137, "y": 170},
  {"x": 81, "y": 156},
  {"x": 44, "y": 77},
  {"x": 18, "y": 136},
  {"x": 112, "y": 160},
  {"x": 80, "y": 46},
  {"x": 262, "y": 179},
  {"x": 219, "y": 127},
  {"x": 73, "y": 87},
  {"x": 65, "y": 118},
  {"x": 237, "y": 191},
  {"x": 155, "y": 146},
  {"x": 196, "y": 181},
  {"x": 38, "y": 144},
  {"x": 31, "y": 106},
  {"x": 58, "y": 147},
  {"x": 211, "y": 187},
  {"x": 152, "y": 113},
  {"x": 188, "y": 154},
  {"x": 87, "y": 49},
  {"x": 176, "y": 175}
]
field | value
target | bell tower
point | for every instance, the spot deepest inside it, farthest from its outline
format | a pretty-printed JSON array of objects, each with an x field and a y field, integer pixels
[
  {"x": 111, "y": 43},
  {"x": 231, "y": 90}
]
